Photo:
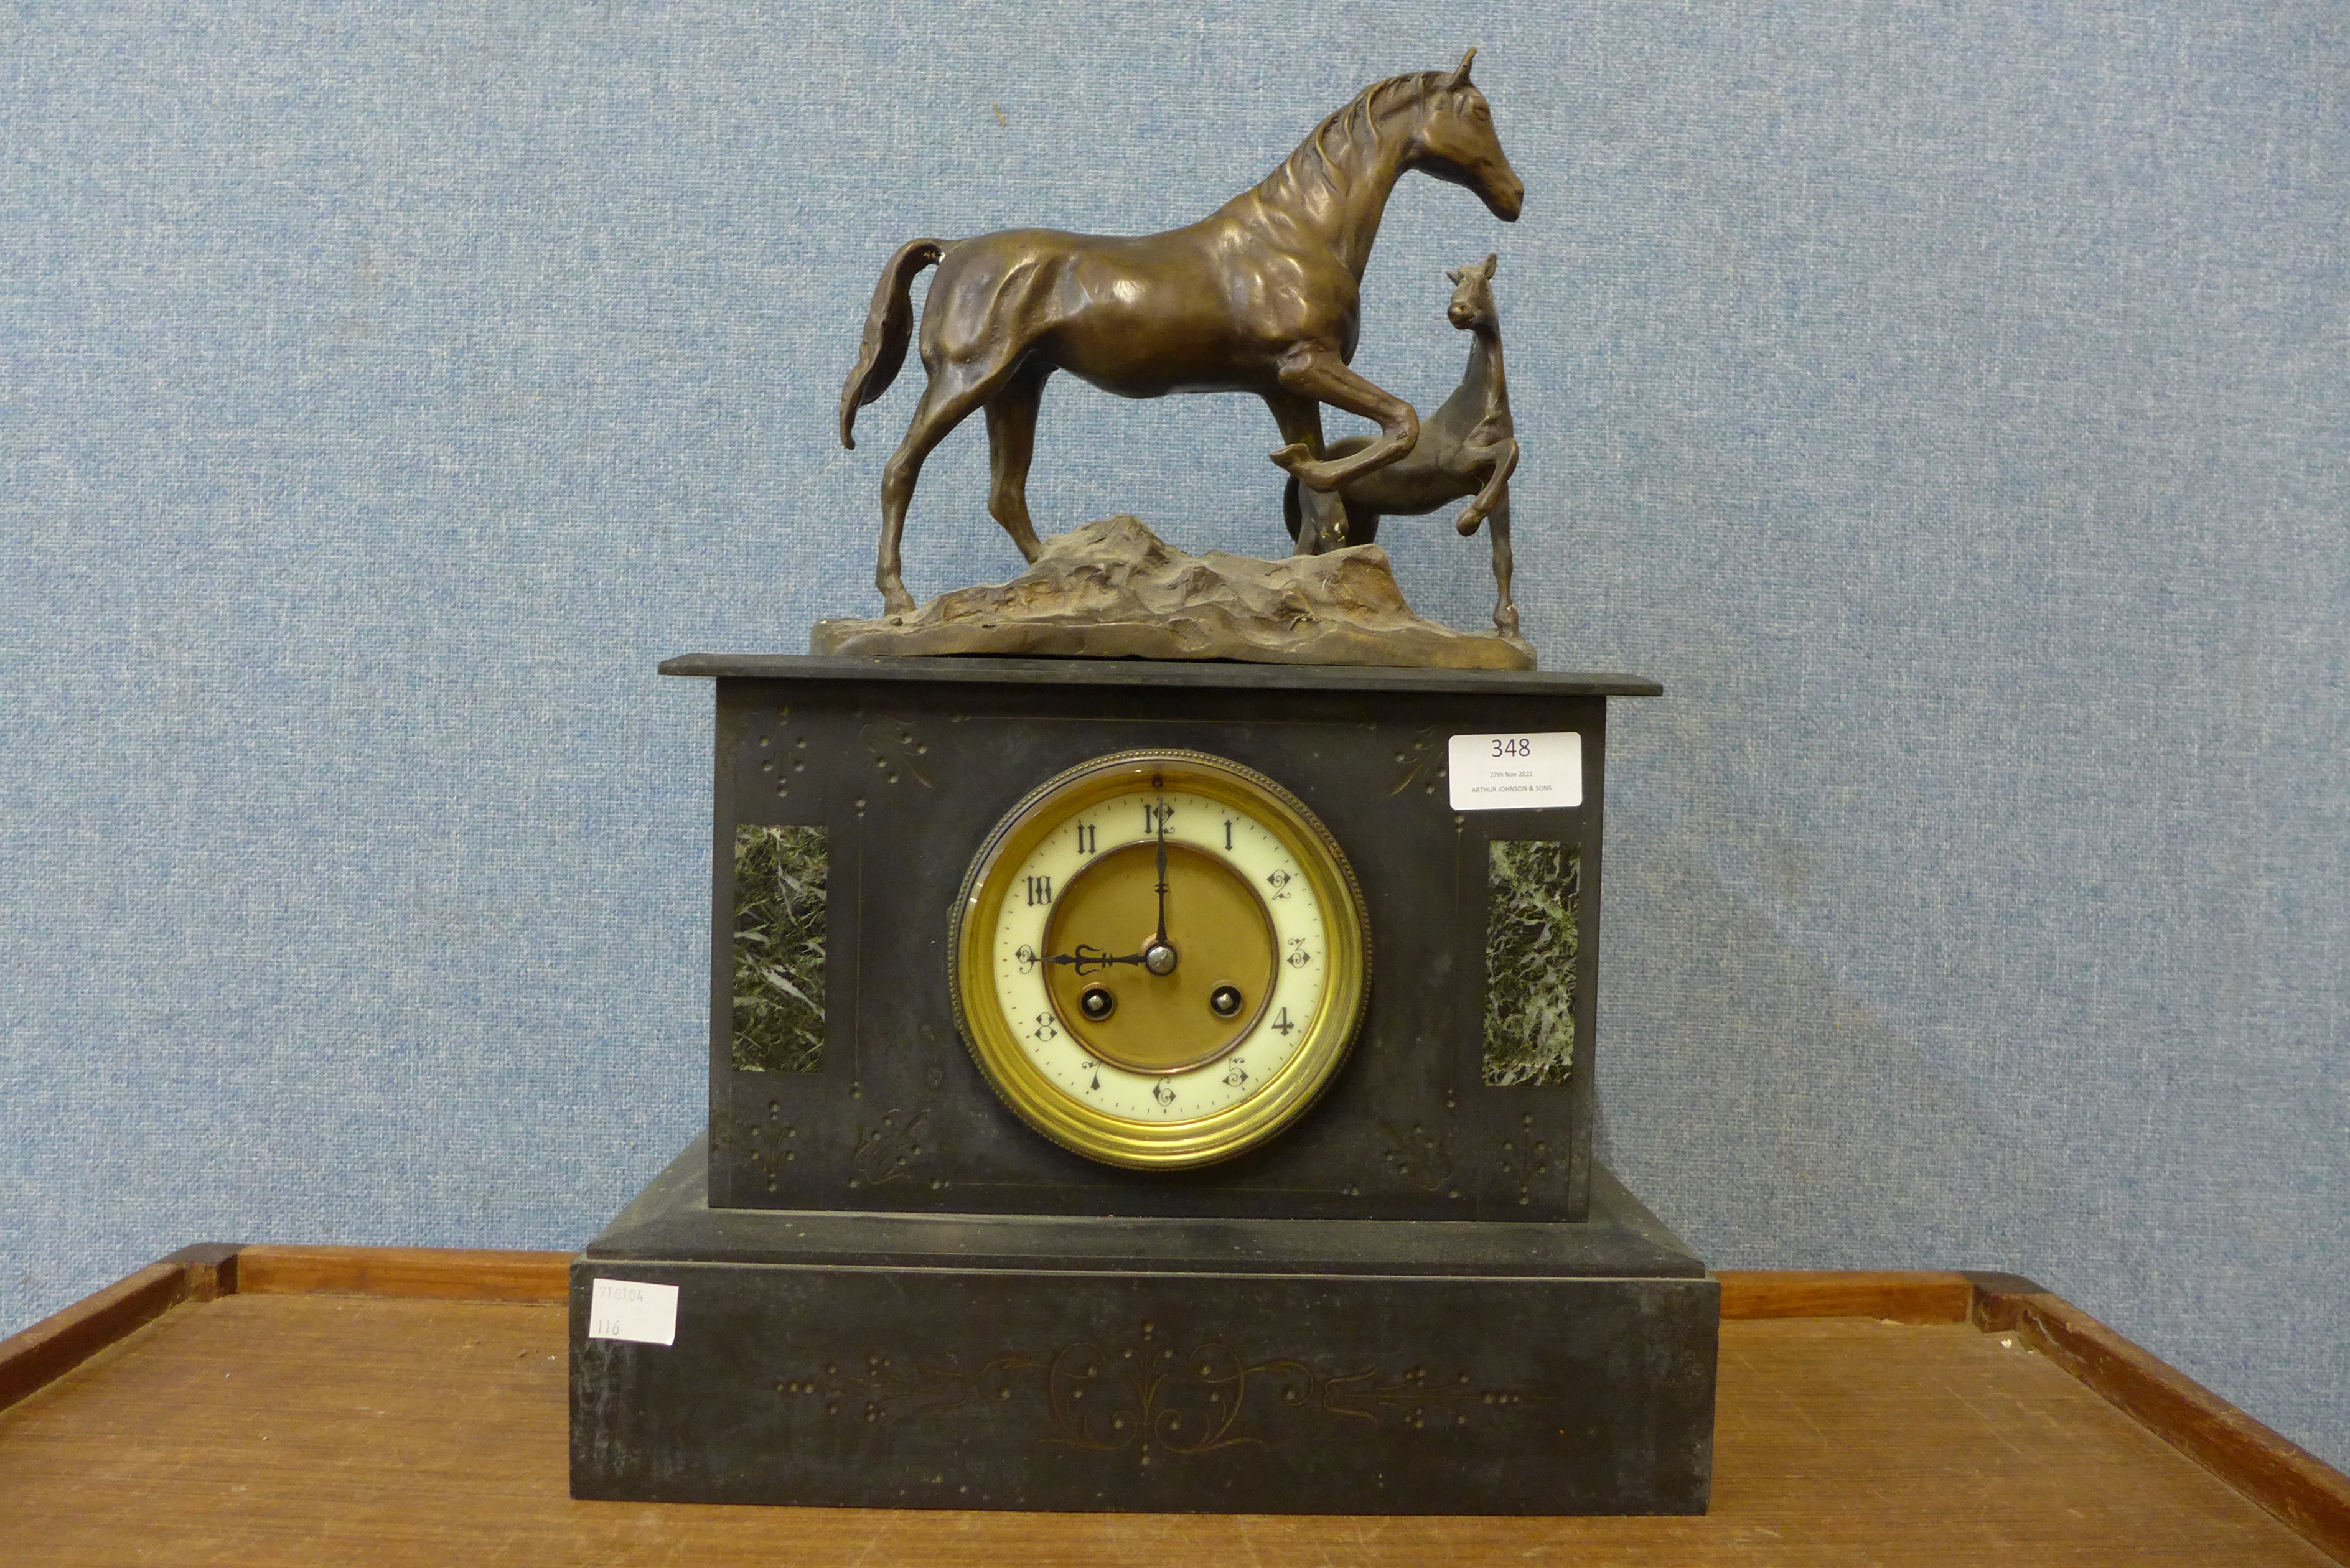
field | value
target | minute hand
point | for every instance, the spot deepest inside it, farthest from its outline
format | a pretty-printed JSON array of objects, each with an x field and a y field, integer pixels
[{"x": 1161, "y": 939}]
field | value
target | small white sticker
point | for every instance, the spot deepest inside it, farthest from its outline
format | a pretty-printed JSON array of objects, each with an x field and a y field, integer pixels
[
  {"x": 623, "y": 1309},
  {"x": 1515, "y": 772}
]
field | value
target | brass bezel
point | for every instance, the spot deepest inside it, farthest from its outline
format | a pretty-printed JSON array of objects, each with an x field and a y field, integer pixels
[{"x": 1086, "y": 1129}]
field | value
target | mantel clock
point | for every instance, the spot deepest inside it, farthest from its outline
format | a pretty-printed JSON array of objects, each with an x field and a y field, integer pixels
[{"x": 1149, "y": 1085}]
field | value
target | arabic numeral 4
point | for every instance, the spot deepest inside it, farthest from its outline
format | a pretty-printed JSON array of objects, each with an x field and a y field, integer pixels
[{"x": 1282, "y": 1025}]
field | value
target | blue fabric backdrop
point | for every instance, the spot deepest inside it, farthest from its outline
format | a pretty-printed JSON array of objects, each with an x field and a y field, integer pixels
[{"x": 1945, "y": 401}]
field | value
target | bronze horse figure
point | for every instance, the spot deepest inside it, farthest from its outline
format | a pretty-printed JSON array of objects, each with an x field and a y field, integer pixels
[
  {"x": 1261, "y": 295},
  {"x": 1469, "y": 447}
]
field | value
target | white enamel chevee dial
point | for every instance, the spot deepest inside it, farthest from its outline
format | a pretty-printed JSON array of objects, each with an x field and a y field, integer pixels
[{"x": 1160, "y": 959}]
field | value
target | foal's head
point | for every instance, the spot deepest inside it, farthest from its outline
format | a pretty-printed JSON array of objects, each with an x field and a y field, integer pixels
[
  {"x": 1472, "y": 308},
  {"x": 1455, "y": 142}
]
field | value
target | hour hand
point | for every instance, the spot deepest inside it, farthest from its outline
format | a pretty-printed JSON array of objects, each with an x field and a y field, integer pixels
[
  {"x": 1088, "y": 958},
  {"x": 1161, "y": 939}
]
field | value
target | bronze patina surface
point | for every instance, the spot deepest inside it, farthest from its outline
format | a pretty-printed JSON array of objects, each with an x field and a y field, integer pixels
[
  {"x": 1114, "y": 589},
  {"x": 1262, "y": 295},
  {"x": 1466, "y": 448}
]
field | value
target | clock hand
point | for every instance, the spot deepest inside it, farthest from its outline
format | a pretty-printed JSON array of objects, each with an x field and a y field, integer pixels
[
  {"x": 1089, "y": 957},
  {"x": 1159, "y": 958},
  {"x": 1161, "y": 939}
]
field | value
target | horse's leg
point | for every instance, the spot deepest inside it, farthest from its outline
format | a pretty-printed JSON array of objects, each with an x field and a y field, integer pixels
[
  {"x": 1321, "y": 516},
  {"x": 1504, "y": 455},
  {"x": 1010, "y": 444},
  {"x": 1505, "y": 612},
  {"x": 955, "y": 390},
  {"x": 1320, "y": 374}
]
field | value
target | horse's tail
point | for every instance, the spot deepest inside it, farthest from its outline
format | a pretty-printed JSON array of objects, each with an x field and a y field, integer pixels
[{"x": 889, "y": 327}]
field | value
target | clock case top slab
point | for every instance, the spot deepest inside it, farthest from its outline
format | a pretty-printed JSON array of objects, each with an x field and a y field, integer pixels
[{"x": 908, "y": 764}]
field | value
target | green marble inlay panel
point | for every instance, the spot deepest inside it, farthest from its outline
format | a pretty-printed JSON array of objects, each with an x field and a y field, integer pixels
[
  {"x": 1530, "y": 947},
  {"x": 779, "y": 948}
]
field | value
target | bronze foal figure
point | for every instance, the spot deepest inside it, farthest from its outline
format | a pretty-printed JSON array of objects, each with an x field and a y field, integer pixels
[
  {"x": 1469, "y": 447},
  {"x": 1261, "y": 295}
]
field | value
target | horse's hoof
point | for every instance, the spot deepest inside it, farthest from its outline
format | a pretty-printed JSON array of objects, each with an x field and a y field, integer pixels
[{"x": 1466, "y": 523}]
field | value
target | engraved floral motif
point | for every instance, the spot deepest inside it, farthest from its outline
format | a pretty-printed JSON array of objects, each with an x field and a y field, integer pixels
[
  {"x": 891, "y": 743},
  {"x": 1524, "y": 1158},
  {"x": 1419, "y": 1397},
  {"x": 886, "y": 1150},
  {"x": 768, "y": 1145},
  {"x": 1420, "y": 762},
  {"x": 1145, "y": 1395},
  {"x": 1418, "y": 1156}
]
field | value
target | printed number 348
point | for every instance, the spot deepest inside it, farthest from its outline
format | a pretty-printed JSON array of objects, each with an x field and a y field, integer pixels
[{"x": 1512, "y": 747}]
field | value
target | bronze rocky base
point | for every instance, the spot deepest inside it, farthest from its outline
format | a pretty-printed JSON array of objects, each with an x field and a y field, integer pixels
[{"x": 1114, "y": 589}]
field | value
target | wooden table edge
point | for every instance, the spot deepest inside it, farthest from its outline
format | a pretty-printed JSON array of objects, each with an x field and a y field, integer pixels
[{"x": 2301, "y": 1490}]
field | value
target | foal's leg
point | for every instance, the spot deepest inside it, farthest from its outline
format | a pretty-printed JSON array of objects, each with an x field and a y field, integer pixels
[
  {"x": 1322, "y": 516},
  {"x": 1503, "y": 456},
  {"x": 1010, "y": 444},
  {"x": 1505, "y": 613},
  {"x": 1322, "y": 375},
  {"x": 955, "y": 390}
]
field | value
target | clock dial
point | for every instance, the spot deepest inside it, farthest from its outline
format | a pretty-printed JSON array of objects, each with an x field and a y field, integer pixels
[{"x": 1160, "y": 959}]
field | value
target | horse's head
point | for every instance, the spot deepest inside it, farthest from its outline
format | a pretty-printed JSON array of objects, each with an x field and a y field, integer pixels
[
  {"x": 1455, "y": 142},
  {"x": 1472, "y": 308}
]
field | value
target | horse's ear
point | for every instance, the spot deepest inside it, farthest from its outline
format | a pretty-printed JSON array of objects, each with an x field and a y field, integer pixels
[
  {"x": 1491, "y": 262},
  {"x": 1461, "y": 76},
  {"x": 1453, "y": 275}
]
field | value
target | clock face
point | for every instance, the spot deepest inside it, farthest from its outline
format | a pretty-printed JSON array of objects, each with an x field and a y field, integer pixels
[{"x": 1160, "y": 959}]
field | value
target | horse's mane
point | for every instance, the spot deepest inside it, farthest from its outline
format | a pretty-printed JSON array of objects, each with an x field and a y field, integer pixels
[{"x": 1314, "y": 165}]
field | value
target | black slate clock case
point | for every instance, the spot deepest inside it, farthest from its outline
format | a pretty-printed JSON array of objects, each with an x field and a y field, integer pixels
[
  {"x": 1424, "y": 1296},
  {"x": 906, "y": 779}
]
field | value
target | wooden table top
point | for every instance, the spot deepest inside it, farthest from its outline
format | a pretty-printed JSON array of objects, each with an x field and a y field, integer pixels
[{"x": 331, "y": 1410}]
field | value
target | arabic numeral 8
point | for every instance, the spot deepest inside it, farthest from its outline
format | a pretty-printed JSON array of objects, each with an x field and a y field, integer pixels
[{"x": 1514, "y": 746}]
